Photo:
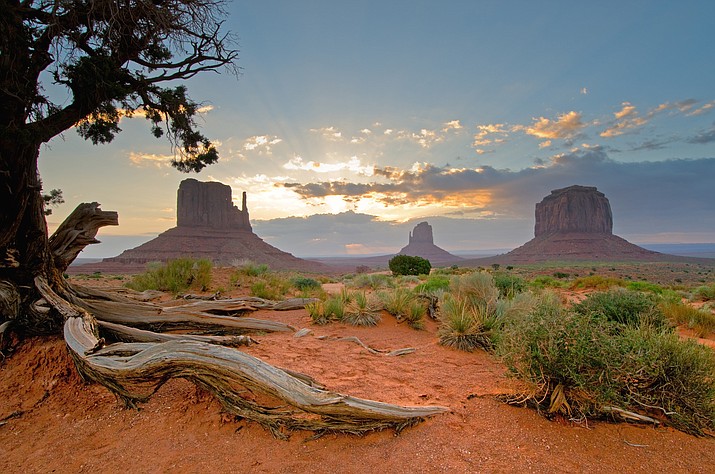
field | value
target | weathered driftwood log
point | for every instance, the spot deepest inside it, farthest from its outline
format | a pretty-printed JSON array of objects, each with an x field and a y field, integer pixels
[
  {"x": 78, "y": 231},
  {"x": 281, "y": 400}
]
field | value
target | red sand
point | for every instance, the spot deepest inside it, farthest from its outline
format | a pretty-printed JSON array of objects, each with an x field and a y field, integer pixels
[{"x": 65, "y": 425}]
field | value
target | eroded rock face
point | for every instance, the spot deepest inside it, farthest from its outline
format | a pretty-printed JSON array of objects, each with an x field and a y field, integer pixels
[
  {"x": 209, "y": 204},
  {"x": 422, "y": 233},
  {"x": 581, "y": 209}
]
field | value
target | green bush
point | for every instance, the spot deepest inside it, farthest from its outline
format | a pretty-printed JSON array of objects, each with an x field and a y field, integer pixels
[
  {"x": 409, "y": 265},
  {"x": 509, "y": 285},
  {"x": 174, "y": 276},
  {"x": 596, "y": 282},
  {"x": 433, "y": 284},
  {"x": 304, "y": 283},
  {"x": 249, "y": 268},
  {"x": 584, "y": 366},
  {"x": 542, "y": 282},
  {"x": 623, "y": 306}
]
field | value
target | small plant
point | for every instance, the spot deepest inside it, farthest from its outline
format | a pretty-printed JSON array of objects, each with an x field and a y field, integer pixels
[
  {"x": 623, "y": 306},
  {"x": 701, "y": 321},
  {"x": 397, "y": 302},
  {"x": 458, "y": 328},
  {"x": 409, "y": 265},
  {"x": 316, "y": 311},
  {"x": 305, "y": 283},
  {"x": 174, "y": 276},
  {"x": 704, "y": 293},
  {"x": 372, "y": 281},
  {"x": 597, "y": 282},
  {"x": 509, "y": 285},
  {"x": 252, "y": 269},
  {"x": 416, "y": 314},
  {"x": 544, "y": 281},
  {"x": 561, "y": 275},
  {"x": 271, "y": 286},
  {"x": 433, "y": 284},
  {"x": 362, "y": 310}
]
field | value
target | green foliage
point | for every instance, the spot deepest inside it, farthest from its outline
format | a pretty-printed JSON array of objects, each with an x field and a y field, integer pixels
[
  {"x": 509, "y": 285},
  {"x": 404, "y": 305},
  {"x": 362, "y": 310},
  {"x": 249, "y": 268},
  {"x": 544, "y": 281},
  {"x": 409, "y": 265},
  {"x": 623, "y": 306},
  {"x": 582, "y": 365},
  {"x": 304, "y": 283},
  {"x": 53, "y": 198},
  {"x": 174, "y": 276},
  {"x": 433, "y": 284},
  {"x": 372, "y": 281},
  {"x": 416, "y": 314},
  {"x": 699, "y": 320},
  {"x": 596, "y": 282},
  {"x": 645, "y": 286},
  {"x": 471, "y": 313},
  {"x": 271, "y": 286},
  {"x": 561, "y": 275},
  {"x": 704, "y": 293}
]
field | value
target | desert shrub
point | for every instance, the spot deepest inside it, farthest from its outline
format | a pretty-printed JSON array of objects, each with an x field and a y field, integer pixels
[
  {"x": 645, "y": 286},
  {"x": 433, "y": 284},
  {"x": 174, "y": 276},
  {"x": 397, "y": 301},
  {"x": 509, "y": 285},
  {"x": 583, "y": 365},
  {"x": 409, "y": 265},
  {"x": 704, "y": 293},
  {"x": 471, "y": 313},
  {"x": 416, "y": 314},
  {"x": 623, "y": 306},
  {"x": 372, "y": 281},
  {"x": 304, "y": 283},
  {"x": 596, "y": 282},
  {"x": 465, "y": 326},
  {"x": 701, "y": 321},
  {"x": 544, "y": 281},
  {"x": 271, "y": 286},
  {"x": 561, "y": 275},
  {"x": 249, "y": 268},
  {"x": 362, "y": 310},
  {"x": 316, "y": 311}
]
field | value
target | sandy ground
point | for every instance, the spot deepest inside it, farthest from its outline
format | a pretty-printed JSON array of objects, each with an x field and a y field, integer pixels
[{"x": 53, "y": 422}]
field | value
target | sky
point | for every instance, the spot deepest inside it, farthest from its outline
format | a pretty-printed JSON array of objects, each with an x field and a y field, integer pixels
[{"x": 351, "y": 122}]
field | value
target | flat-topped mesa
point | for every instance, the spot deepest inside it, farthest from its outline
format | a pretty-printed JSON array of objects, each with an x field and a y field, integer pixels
[
  {"x": 422, "y": 233},
  {"x": 209, "y": 204},
  {"x": 575, "y": 209}
]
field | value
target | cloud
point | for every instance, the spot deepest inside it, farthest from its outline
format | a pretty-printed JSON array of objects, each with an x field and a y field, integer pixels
[
  {"x": 703, "y": 137},
  {"x": 329, "y": 133},
  {"x": 353, "y": 165},
  {"x": 626, "y": 119},
  {"x": 656, "y": 194},
  {"x": 150, "y": 159},
  {"x": 566, "y": 126},
  {"x": 705, "y": 108},
  {"x": 262, "y": 144}
]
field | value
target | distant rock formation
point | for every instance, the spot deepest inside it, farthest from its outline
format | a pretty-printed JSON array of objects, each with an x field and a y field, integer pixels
[
  {"x": 574, "y": 209},
  {"x": 575, "y": 224},
  {"x": 209, "y": 204},
  {"x": 421, "y": 244},
  {"x": 209, "y": 226}
]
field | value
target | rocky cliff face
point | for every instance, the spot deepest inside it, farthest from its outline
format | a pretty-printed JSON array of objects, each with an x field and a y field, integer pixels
[
  {"x": 209, "y": 204},
  {"x": 422, "y": 233},
  {"x": 580, "y": 209},
  {"x": 421, "y": 244}
]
